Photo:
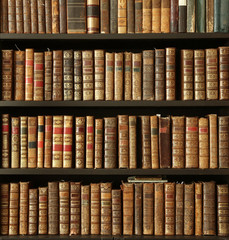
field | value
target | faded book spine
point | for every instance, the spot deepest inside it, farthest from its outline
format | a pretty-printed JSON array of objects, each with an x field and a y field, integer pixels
[
  {"x": 159, "y": 220},
  {"x": 191, "y": 15},
  {"x": 116, "y": 211},
  {"x": 95, "y": 208},
  {"x": 85, "y": 210},
  {"x": 4, "y": 208},
  {"x": 15, "y": 142},
  {"x": 62, "y": 16},
  {"x": 209, "y": 15},
  {"x": 201, "y": 16},
  {"x": 55, "y": 17},
  {"x": 27, "y": 16},
  {"x": 40, "y": 142},
  {"x": 223, "y": 73},
  {"x": 78, "y": 79},
  {"x": 67, "y": 141},
  {"x": 4, "y": 16},
  {"x": 57, "y": 93},
  {"x": 136, "y": 76},
  {"x": 159, "y": 74},
  {"x": 179, "y": 214},
  {"x": 24, "y": 208},
  {"x": 113, "y": 16},
  {"x": 154, "y": 142},
  {"x": 127, "y": 76},
  {"x": 104, "y": 16},
  {"x": 138, "y": 206},
  {"x": 138, "y": 16},
  {"x": 5, "y": 141},
  {"x": 33, "y": 212},
  {"x": 145, "y": 140},
  {"x": 109, "y": 76},
  {"x": 182, "y": 22},
  {"x": 14, "y": 209},
  {"x": 132, "y": 142},
  {"x": 48, "y": 16},
  {"x": 79, "y": 142},
  {"x": 122, "y": 16},
  {"x": 203, "y": 143},
  {"x": 92, "y": 16},
  {"x": 90, "y": 141},
  {"x": 156, "y": 16},
  {"x": 43, "y": 210},
  {"x": 48, "y": 76},
  {"x": 34, "y": 19},
  {"x": 98, "y": 143},
  {"x": 118, "y": 76},
  {"x": 41, "y": 16},
  {"x": 165, "y": 16},
  {"x": 174, "y": 15},
  {"x": 170, "y": 74},
  {"x": 130, "y": 16},
  {"x": 198, "y": 209},
  {"x": 12, "y": 16},
  {"x": 147, "y": 16},
  {"x": 32, "y": 142},
  {"x": 48, "y": 142},
  {"x": 189, "y": 209}
]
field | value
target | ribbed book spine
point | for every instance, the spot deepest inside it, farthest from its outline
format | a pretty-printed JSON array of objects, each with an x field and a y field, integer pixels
[
  {"x": 122, "y": 16},
  {"x": 24, "y": 208},
  {"x": 138, "y": 16},
  {"x": 98, "y": 143},
  {"x": 113, "y": 16},
  {"x": 48, "y": 16},
  {"x": 203, "y": 143},
  {"x": 165, "y": 16},
  {"x": 136, "y": 76},
  {"x": 118, "y": 76},
  {"x": 5, "y": 141},
  {"x": 116, "y": 212},
  {"x": 29, "y": 70},
  {"x": 95, "y": 208},
  {"x": 34, "y": 19},
  {"x": 23, "y": 142},
  {"x": 67, "y": 141},
  {"x": 40, "y": 142},
  {"x": 14, "y": 209},
  {"x": 156, "y": 16},
  {"x": 223, "y": 73},
  {"x": 48, "y": 76},
  {"x": 174, "y": 14},
  {"x": 12, "y": 16},
  {"x": 78, "y": 93},
  {"x": 33, "y": 212},
  {"x": 4, "y": 208},
  {"x": 148, "y": 203},
  {"x": 41, "y": 16},
  {"x": 145, "y": 139},
  {"x": 189, "y": 214},
  {"x": 32, "y": 142},
  {"x": 127, "y": 76},
  {"x": 57, "y": 93},
  {"x": 159, "y": 220},
  {"x": 43, "y": 210},
  {"x": 104, "y": 16},
  {"x": 48, "y": 142},
  {"x": 63, "y": 16},
  {"x": 79, "y": 142},
  {"x": 4, "y": 16},
  {"x": 159, "y": 74},
  {"x": 191, "y": 15},
  {"x": 90, "y": 142},
  {"x": 154, "y": 142},
  {"x": 138, "y": 206},
  {"x": 85, "y": 210},
  {"x": 179, "y": 214},
  {"x": 132, "y": 142},
  {"x": 92, "y": 16},
  {"x": 130, "y": 16},
  {"x": 170, "y": 74},
  {"x": 109, "y": 76},
  {"x": 198, "y": 209},
  {"x": 27, "y": 16},
  {"x": 15, "y": 142},
  {"x": 55, "y": 17},
  {"x": 147, "y": 16}
]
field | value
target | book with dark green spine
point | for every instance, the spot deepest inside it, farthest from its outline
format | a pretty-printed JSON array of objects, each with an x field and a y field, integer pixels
[
  {"x": 217, "y": 15},
  {"x": 191, "y": 5},
  {"x": 224, "y": 16},
  {"x": 200, "y": 16}
]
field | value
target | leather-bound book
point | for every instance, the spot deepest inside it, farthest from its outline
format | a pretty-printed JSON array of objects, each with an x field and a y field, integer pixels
[
  {"x": 136, "y": 76},
  {"x": 148, "y": 199},
  {"x": 104, "y": 16},
  {"x": 156, "y": 16},
  {"x": 43, "y": 211},
  {"x": 78, "y": 94},
  {"x": 130, "y": 16},
  {"x": 213, "y": 141},
  {"x": 53, "y": 208},
  {"x": 116, "y": 196},
  {"x": 186, "y": 74},
  {"x": 85, "y": 210},
  {"x": 79, "y": 142},
  {"x": 7, "y": 75},
  {"x": 75, "y": 203},
  {"x": 63, "y": 16},
  {"x": 146, "y": 143},
  {"x": 212, "y": 74},
  {"x": 132, "y": 142},
  {"x": 92, "y": 16},
  {"x": 209, "y": 208},
  {"x": 88, "y": 75},
  {"x": 123, "y": 141},
  {"x": 138, "y": 206},
  {"x": 99, "y": 75},
  {"x": 5, "y": 141},
  {"x": 14, "y": 209},
  {"x": 113, "y": 16},
  {"x": 29, "y": 68},
  {"x": 4, "y": 16},
  {"x": 4, "y": 208},
  {"x": 55, "y": 17},
  {"x": 203, "y": 143},
  {"x": 48, "y": 16},
  {"x": 154, "y": 142},
  {"x": 127, "y": 76},
  {"x": 223, "y": 73},
  {"x": 191, "y": 143},
  {"x": 118, "y": 76},
  {"x": 179, "y": 215},
  {"x": 138, "y": 16},
  {"x": 147, "y": 16},
  {"x": 209, "y": 16},
  {"x": 201, "y": 16},
  {"x": 191, "y": 15},
  {"x": 159, "y": 220},
  {"x": 223, "y": 139},
  {"x": 38, "y": 90},
  {"x": 90, "y": 141},
  {"x": 164, "y": 142},
  {"x": 98, "y": 143},
  {"x": 109, "y": 76},
  {"x": 189, "y": 207},
  {"x": 48, "y": 76},
  {"x": 76, "y": 16},
  {"x": 33, "y": 212},
  {"x": 12, "y": 16},
  {"x": 64, "y": 204},
  {"x": 57, "y": 142},
  {"x": 40, "y": 141},
  {"x": 224, "y": 22},
  {"x": 182, "y": 22},
  {"x": 32, "y": 142},
  {"x": 15, "y": 142},
  {"x": 95, "y": 208},
  {"x": 27, "y": 16},
  {"x": 198, "y": 209},
  {"x": 57, "y": 92},
  {"x": 169, "y": 189},
  {"x": 41, "y": 16},
  {"x": 174, "y": 14},
  {"x": 19, "y": 75},
  {"x": 178, "y": 141},
  {"x": 24, "y": 207},
  {"x": 34, "y": 16},
  {"x": 48, "y": 142},
  {"x": 159, "y": 74},
  {"x": 19, "y": 16},
  {"x": 223, "y": 209},
  {"x": 165, "y": 16},
  {"x": 217, "y": 15},
  {"x": 67, "y": 141},
  {"x": 122, "y": 16},
  {"x": 199, "y": 75},
  {"x": 68, "y": 74},
  {"x": 170, "y": 74}
]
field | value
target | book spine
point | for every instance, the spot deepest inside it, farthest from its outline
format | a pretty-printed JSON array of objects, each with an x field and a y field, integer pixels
[
  {"x": 79, "y": 142},
  {"x": 34, "y": 16},
  {"x": 32, "y": 142},
  {"x": 209, "y": 16},
  {"x": 159, "y": 74},
  {"x": 182, "y": 22},
  {"x": 118, "y": 76},
  {"x": 154, "y": 142},
  {"x": 148, "y": 200},
  {"x": 223, "y": 73},
  {"x": 113, "y": 16},
  {"x": 200, "y": 16},
  {"x": 98, "y": 143},
  {"x": 85, "y": 210},
  {"x": 48, "y": 76},
  {"x": 224, "y": 22},
  {"x": 67, "y": 141},
  {"x": 174, "y": 14},
  {"x": 12, "y": 16},
  {"x": 55, "y": 17},
  {"x": 33, "y": 212},
  {"x": 122, "y": 16},
  {"x": 138, "y": 206},
  {"x": 5, "y": 141},
  {"x": 95, "y": 208},
  {"x": 132, "y": 142},
  {"x": 14, "y": 209},
  {"x": 213, "y": 141},
  {"x": 179, "y": 215},
  {"x": 189, "y": 209},
  {"x": 29, "y": 70},
  {"x": 203, "y": 143},
  {"x": 48, "y": 142},
  {"x": 130, "y": 16},
  {"x": 165, "y": 16},
  {"x": 24, "y": 207},
  {"x": 4, "y": 16},
  {"x": 57, "y": 93},
  {"x": 43, "y": 210},
  {"x": 15, "y": 142},
  {"x": 41, "y": 16},
  {"x": 156, "y": 16},
  {"x": 116, "y": 212},
  {"x": 62, "y": 16},
  {"x": 23, "y": 142},
  {"x": 104, "y": 16},
  {"x": 138, "y": 16},
  {"x": 170, "y": 68},
  {"x": 78, "y": 94},
  {"x": 19, "y": 16},
  {"x": 48, "y": 16},
  {"x": 4, "y": 208},
  {"x": 136, "y": 76},
  {"x": 127, "y": 76},
  {"x": 27, "y": 16},
  {"x": 146, "y": 143},
  {"x": 90, "y": 141},
  {"x": 198, "y": 209},
  {"x": 92, "y": 16},
  {"x": 192, "y": 8},
  {"x": 109, "y": 76},
  {"x": 159, "y": 209},
  {"x": 147, "y": 16}
]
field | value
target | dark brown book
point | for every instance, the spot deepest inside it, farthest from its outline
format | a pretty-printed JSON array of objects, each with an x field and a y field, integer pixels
[
  {"x": 138, "y": 206},
  {"x": 198, "y": 209},
  {"x": 43, "y": 211},
  {"x": 32, "y": 142},
  {"x": 29, "y": 73},
  {"x": 146, "y": 143},
  {"x": 147, "y": 16},
  {"x": 130, "y": 16},
  {"x": 48, "y": 16},
  {"x": 138, "y": 16},
  {"x": 165, "y": 16},
  {"x": 203, "y": 143},
  {"x": 104, "y": 16},
  {"x": 33, "y": 212},
  {"x": 4, "y": 16},
  {"x": 156, "y": 16},
  {"x": 113, "y": 16},
  {"x": 95, "y": 208},
  {"x": 98, "y": 143},
  {"x": 34, "y": 16},
  {"x": 12, "y": 16},
  {"x": 14, "y": 209},
  {"x": 55, "y": 17},
  {"x": 63, "y": 16},
  {"x": 48, "y": 76},
  {"x": 15, "y": 142},
  {"x": 27, "y": 16},
  {"x": 41, "y": 16},
  {"x": 223, "y": 73},
  {"x": 132, "y": 142},
  {"x": 109, "y": 76},
  {"x": 24, "y": 208},
  {"x": 127, "y": 76},
  {"x": 79, "y": 142},
  {"x": 159, "y": 220},
  {"x": 118, "y": 77},
  {"x": 90, "y": 148},
  {"x": 179, "y": 214},
  {"x": 40, "y": 141},
  {"x": 154, "y": 142},
  {"x": 92, "y": 16},
  {"x": 174, "y": 15},
  {"x": 23, "y": 142},
  {"x": 209, "y": 16},
  {"x": 57, "y": 93},
  {"x": 182, "y": 22},
  {"x": 19, "y": 16},
  {"x": 5, "y": 163},
  {"x": 170, "y": 74},
  {"x": 48, "y": 142},
  {"x": 189, "y": 215},
  {"x": 4, "y": 208},
  {"x": 116, "y": 212},
  {"x": 85, "y": 210},
  {"x": 122, "y": 16},
  {"x": 159, "y": 74},
  {"x": 78, "y": 78},
  {"x": 148, "y": 200}
]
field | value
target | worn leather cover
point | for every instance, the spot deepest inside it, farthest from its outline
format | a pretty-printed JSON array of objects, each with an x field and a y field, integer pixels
[
  {"x": 147, "y": 16},
  {"x": 174, "y": 15},
  {"x": 57, "y": 92},
  {"x": 14, "y": 209},
  {"x": 165, "y": 16},
  {"x": 95, "y": 208},
  {"x": 138, "y": 206},
  {"x": 33, "y": 211},
  {"x": 5, "y": 163},
  {"x": 79, "y": 142},
  {"x": 48, "y": 76},
  {"x": 122, "y": 16},
  {"x": 85, "y": 210},
  {"x": 170, "y": 74},
  {"x": 15, "y": 142},
  {"x": 118, "y": 76},
  {"x": 55, "y": 17},
  {"x": 154, "y": 142},
  {"x": 203, "y": 143},
  {"x": 198, "y": 209},
  {"x": 127, "y": 76},
  {"x": 148, "y": 213},
  {"x": 109, "y": 76},
  {"x": 156, "y": 16},
  {"x": 78, "y": 78},
  {"x": 179, "y": 215},
  {"x": 132, "y": 142},
  {"x": 48, "y": 142},
  {"x": 130, "y": 16},
  {"x": 138, "y": 16},
  {"x": 41, "y": 16},
  {"x": 19, "y": 16},
  {"x": 189, "y": 207},
  {"x": 159, "y": 211},
  {"x": 116, "y": 211},
  {"x": 40, "y": 142},
  {"x": 63, "y": 16},
  {"x": 43, "y": 211},
  {"x": 223, "y": 73},
  {"x": 145, "y": 137},
  {"x": 92, "y": 16},
  {"x": 104, "y": 16},
  {"x": 24, "y": 208},
  {"x": 159, "y": 74},
  {"x": 90, "y": 141},
  {"x": 4, "y": 208},
  {"x": 67, "y": 142}
]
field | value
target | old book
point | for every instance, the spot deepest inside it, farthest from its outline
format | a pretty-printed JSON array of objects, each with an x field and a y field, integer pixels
[
  {"x": 99, "y": 75},
  {"x": 224, "y": 23},
  {"x": 23, "y": 142},
  {"x": 164, "y": 142},
  {"x": 79, "y": 142},
  {"x": 5, "y": 141},
  {"x": 122, "y": 16},
  {"x": 89, "y": 141},
  {"x": 55, "y": 17},
  {"x": 19, "y": 16},
  {"x": 223, "y": 73},
  {"x": 113, "y": 16},
  {"x": 104, "y": 16},
  {"x": 78, "y": 93},
  {"x": 57, "y": 142},
  {"x": 48, "y": 142},
  {"x": 63, "y": 16},
  {"x": 136, "y": 76},
  {"x": 148, "y": 213},
  {"x": 138, "y": 16},
  {"x": 64, "y": 220},
  {"x": 130, "y": 16},
  {"x": 118, "y": 76},
  {"x": 156, "y": 16},
  {"x": 29, "y": 71},
  {"x": 67, "y": 141},
  {"x": 27, "y": 16},
  {"x": 4, "y": 16},
  {"x": 179, "y": 214},
  {"x": 217, "y": 15},
  {"x": 209, "y": 16},
  {"x": 213, "y": 140},
  {"x": 147, "y": 16},
  {"x": 186, "y": 74},
  {"x": 41, "y": 16},
  {"x": 146, "y": 143},
  {"x": 223, "y": 140},
  {"x": 15, "y": 142},
  {"x": 75, "y": 202},
  {"x": 165, "y": 16},
  {"x": 170, "y": 74},
  {"x": 34, "y": 17},
  {"x": 4, "y": 208},
  {"x": 182, "y": 22},
  {"x": 189, "y": 194},
  {"x": 98, "y": 143},
  {"x": 92, "y": 16},
  {"x": 43, "y": 210},
  {"x": 109, "y": 76},
  {"x": 24, "y": 207},
  {"x": 48, "y": 76},
  {"x": 76, "y": 16},
  {"x": 178, "y": 141},
  {"x": 12, "y": 16},
  {"x": 198, "y": 209},
  {"x": 48, "y": 16},
  {"x": 57, "y": 93},
  {"x": 53, "y": 208},
  {"x": 85, "y": 210},
  {"x": 223, "y": 209},
  {"x": 209, "y": 209},
  {"x": 192, "y": 7},
  {"x": 33, "y": 212},
  {"x": 14, "y": 209},
  {"x": 132, "y": 142},
  {"x": 32, "y": 142},
  {"x": 88, "y": 75},
  {"x": 7, "y": 75},
  {"x": 68, "y": 74},
  {"x": 199, "y": 75},
  {"x": 95, "y": 208},
  {"x": 116, "y": 201},
  {"x": 154, "y": 142},
  {"x": 138, "y": 206},
  {"x": 159, "y": 220},
  {"x": 174, "y": 14},
  {"x": 127, "y": 76},
  {"x": 203, "y": 143},
  {"x": 159, "y": 74},
  {"x": 201, "y": 16}
]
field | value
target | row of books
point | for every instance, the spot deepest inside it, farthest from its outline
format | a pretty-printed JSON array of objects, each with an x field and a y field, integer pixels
[
  {"x": 70, "y": 208},
  {"x": 111, "y": 142},
  {"x": 114, "y": 16},
  {"x": 99, "y": 75}
]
